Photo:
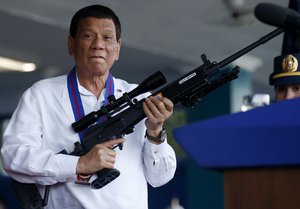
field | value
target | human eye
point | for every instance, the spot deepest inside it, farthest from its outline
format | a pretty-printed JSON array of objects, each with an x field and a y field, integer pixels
[
  {"x": 296, "y": 88},
  {"x": 88, "y": 35},
  {"x": 108, "y": 37},
  {"x": 280, "y": 89}
]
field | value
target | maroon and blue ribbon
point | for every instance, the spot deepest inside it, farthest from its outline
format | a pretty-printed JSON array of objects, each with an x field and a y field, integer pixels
[{"x": 75, "y": 98}]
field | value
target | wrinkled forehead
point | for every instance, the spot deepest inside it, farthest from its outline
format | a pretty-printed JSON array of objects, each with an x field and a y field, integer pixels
[{"x": 92, "y": 22}]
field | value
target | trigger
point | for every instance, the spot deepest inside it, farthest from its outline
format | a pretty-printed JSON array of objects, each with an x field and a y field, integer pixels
[{"x": 120, "y": 146}]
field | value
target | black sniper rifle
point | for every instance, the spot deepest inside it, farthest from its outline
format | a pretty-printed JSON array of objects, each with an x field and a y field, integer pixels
[{"x": 125, "y": 112}]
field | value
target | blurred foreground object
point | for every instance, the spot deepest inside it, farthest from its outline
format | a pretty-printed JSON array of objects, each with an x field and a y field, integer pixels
[
  {"x": 175, "y": 204},
  {"x": 255, "y": 100}
]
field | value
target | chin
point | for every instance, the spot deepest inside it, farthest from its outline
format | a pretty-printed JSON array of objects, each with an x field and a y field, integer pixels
[
  {"x": 99, "y": 69},
  {"x": 100, "y": 72}
]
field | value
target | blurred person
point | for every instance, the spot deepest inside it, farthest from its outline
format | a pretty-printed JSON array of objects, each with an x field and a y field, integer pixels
[
  {"x": 41, "y": 127},
  {"x": 286, "y": 77}
]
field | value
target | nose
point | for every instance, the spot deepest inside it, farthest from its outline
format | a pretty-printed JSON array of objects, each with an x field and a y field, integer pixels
[
  {"x": 98, "y": 43},
  {"x": 290, "y": 94}
]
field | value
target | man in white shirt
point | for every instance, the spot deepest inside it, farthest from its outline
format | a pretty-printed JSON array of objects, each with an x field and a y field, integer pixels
[{"x": 41, "y": 127}]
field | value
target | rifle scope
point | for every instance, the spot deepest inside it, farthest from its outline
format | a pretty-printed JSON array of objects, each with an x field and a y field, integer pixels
[{"x": 152, "y": 82}]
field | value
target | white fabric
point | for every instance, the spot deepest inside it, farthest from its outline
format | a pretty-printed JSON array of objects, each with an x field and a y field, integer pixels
[{"x": 41, "y": 127}]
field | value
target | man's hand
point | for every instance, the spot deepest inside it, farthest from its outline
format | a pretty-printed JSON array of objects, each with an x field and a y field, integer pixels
[
  {"x": 99, "y": 157},
  {"x": 157, "y": 109}
]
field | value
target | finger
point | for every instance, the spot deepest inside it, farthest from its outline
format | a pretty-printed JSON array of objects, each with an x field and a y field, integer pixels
[
  {"x": 159, "y": 104},
  {"x": 165, "y": 106},
  {"x": 146, "y": 109},
  {"x": 106, "y": 164},
  {"x": 156, "y": 107},
  {"x": 110, "y": 159},
  {"x": 111, "y": 153},
  {"x": 113, "y": 142},
  {"x": 168, "y": 104}
]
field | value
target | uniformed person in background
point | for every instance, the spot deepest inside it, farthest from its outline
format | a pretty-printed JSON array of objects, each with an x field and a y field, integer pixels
[{"x": 286, "y": 76}]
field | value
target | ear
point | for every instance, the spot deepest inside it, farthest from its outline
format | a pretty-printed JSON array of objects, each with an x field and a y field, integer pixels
[
  {"x": 71, "y": 45},
  {"x": 118, "y": 49}
]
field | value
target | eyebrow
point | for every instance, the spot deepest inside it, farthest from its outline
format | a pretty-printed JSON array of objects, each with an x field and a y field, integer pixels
[{"x": 93, "y": 29}]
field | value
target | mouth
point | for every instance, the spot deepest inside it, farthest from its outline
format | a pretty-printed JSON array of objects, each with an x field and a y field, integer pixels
[{"x": 97, "y": 57}]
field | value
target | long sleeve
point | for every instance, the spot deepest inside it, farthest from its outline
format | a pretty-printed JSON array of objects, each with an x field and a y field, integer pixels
[
  {"x": 25, "y": 154},
  {"x": 160, "y": 163},
  {"x": 41, "y": 127}
]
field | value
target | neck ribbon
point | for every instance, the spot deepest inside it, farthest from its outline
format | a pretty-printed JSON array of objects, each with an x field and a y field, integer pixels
[{"x": 75, "y": 98}]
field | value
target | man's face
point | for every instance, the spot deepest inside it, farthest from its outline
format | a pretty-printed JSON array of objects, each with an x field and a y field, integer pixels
[
  {"x": 287, "y": 92},
  {"x": 95, "y": 47}
]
